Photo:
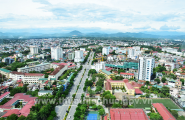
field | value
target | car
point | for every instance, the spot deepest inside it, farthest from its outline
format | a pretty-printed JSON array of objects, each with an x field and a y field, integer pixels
[{"x": 69, "y": 116}]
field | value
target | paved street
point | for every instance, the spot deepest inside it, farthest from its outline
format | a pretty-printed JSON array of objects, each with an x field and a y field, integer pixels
[{"x": 61, "y": 109}]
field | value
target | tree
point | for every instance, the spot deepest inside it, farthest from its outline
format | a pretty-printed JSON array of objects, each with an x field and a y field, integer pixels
[
  {"x": 165, "y": 90},
  {"x": 12, "y": 117},
  {"x": 163, "y": 79},
  {"x": 116, "y": 105},
  {"x": 98, "y": 89},
  {"x": 174, "y": 70},
  {"x": 181, "y": 118},
  {"x": 101, "y": 111},
  {"x": 157, "y": 80},
  {"x": 147, "y": 95},
  {"x": 182, "y": 80},
  {"x": 155, "y": 116},
  {"x": 21, "y": 117},
  {"x": 147, "y": 83},
  {"x": 174, "y": 113},
  {"x": 73, "y": 96}
]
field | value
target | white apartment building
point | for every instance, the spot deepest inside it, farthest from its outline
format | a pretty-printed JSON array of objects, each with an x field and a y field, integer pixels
[
  {"x": 145, "y": 68},
  {"x": 79, "y": 56},
  {"x": 34, "y": 50},
  {"x": 98, "y": 66},
  {"x": 71, "y": 56},
  {"x": 39, "y": 67},
  {"x": 56, "y": 53},
  {"x": 168, "y": 49},
  {"x": 83, "y": 49},
  {"x": 105, "y": 50}
]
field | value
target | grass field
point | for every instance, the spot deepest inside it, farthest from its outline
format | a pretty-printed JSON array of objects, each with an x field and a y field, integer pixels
[{"x": 142, "y": 103}]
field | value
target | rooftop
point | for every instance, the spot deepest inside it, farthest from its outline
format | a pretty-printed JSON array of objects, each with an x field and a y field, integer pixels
[
  {"x": 166, "y": 115},
  {"x": 3, "y": 95},
  {"x": 106, "y": 72},
  {"x": 128, "y": 114},
  {"x": 33, "y": 74},
  {"x": 57, "y": 70},
  {"x": 5, "y": 70}
]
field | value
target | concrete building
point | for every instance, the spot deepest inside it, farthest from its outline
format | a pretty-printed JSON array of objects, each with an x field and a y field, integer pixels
[
  {"x": 83, "y": 49},
  {"x": 56, "y": 53},
  {"x": 8, "y": 60},
  {"x": 44, "y": 92},
  {"x": 39, "y": 68},
  {"x": 98, "y": 66},
  {"x": 34, "y": 50},
  {"x": 105, "y": 50},
  {"x": 79, "y": 56},
  {"x": 71, "y": 56},
  {"x": 145, "y": 69}
]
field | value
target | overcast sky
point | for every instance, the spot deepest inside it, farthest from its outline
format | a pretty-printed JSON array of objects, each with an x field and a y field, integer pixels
[{"x": 114, "y": 15}]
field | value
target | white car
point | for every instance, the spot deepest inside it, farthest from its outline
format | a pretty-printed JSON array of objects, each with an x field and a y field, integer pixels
[{"x": 69, "y": 116}]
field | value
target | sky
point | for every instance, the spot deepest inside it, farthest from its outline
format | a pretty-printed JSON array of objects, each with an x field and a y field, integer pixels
[{"x": 92, "y": 15}]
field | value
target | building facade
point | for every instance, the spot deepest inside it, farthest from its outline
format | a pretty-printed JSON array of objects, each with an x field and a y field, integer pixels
[
  {"x": 34, "y": 50},
  {"x": 56, "y": 53},
  {"x": 105, "y": 50},
  {"x": 79, "y": 56},
  {"x": 145, "y": 69}
]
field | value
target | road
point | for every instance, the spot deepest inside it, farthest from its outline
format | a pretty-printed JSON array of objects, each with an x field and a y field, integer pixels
[{"x": 61, "y": 109}]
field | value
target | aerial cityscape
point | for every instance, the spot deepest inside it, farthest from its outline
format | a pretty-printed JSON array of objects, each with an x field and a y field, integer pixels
[{"x": 92, "y": 60}]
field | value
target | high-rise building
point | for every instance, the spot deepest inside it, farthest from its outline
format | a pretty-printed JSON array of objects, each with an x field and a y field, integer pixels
[
  {"x": 71, "y": 56},
  {"x": 145, "y": 69},
  {"x": 34, "y": 50},
  {"x": 79, "y": 56},
  {"x": 98, "y": 66},
  {"x": 56, "y": 53},
  {"x": 105, "y": 50}
]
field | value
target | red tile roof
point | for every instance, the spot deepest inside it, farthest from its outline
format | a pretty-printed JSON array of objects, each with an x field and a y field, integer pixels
[
  {"x": 129, "y": 86},
  {"x": 18, "y": 73},
  {"x": 18, "y": 96},
  {"x": 108, "y": 86},
  {"x": 19, "y": 80},
  {"x": 128, "y": 114},
  {"x": 109, "y": 69},
  {"x": 163, "y": 111},
  {"x": 138, "y": 91},
  {"x": 33, "y": 74},
  {"x": 9, "y": 112},
  {"x": 57, "y": 70},
  {"x": 3, "y": 95},
  {"x": 122, "y": 73}
]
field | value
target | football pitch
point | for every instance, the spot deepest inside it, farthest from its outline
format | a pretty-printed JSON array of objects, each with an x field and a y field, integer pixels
[{"x": 142, "y": 103}]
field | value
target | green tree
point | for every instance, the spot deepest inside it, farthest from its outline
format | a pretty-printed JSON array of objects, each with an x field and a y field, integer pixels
[
  {"x": 182, "y": 80},
  {"x": 157, "y": 80},
  {"x": 174, "y": 113},
  {"x": 98, "y": 89},
  {"x": 165, "y": 90},
  {"x": 155, "y": 116},
  {"x": 164, "y": 80},
  {"x": 181, "y": 118},
  {"x": 21, "y": 117},
  {"x": 101, "y": 111},
  {"x": 12, "y": 117},
  {"x": 116, "y": 105}
]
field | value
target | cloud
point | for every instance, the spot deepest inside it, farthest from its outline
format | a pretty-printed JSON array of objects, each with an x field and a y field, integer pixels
[
  {"x": 120, "y": 15},
  {"x": 165, "y": 27}
]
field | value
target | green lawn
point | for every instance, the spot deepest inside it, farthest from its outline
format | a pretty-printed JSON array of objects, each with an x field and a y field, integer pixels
[{"x": 142, "y": 103}]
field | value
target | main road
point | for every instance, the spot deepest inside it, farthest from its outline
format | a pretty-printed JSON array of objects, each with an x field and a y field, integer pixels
[{"x": 62, "y": 109}]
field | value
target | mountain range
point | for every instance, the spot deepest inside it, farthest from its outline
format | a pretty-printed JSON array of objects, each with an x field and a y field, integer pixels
[{"x": 75, "y": 33}]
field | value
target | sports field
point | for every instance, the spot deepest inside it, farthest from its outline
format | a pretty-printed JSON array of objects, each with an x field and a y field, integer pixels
[{"x": 142, "y": 103}]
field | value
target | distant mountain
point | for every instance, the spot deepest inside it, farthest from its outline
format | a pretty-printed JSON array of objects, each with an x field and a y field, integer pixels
[
  {"x": 75, "y": 33},
  {"x": 173, "y": 35}
]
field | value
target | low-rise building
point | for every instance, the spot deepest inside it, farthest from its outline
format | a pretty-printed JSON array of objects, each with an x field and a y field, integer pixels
[
  {"x": 44, "y": 92},
  {"x": 5, "y": 72},
  {"x": 128, "y": 114},
  {"x": 127, "y": 75},
  {"x": 161, "y": 109},
  {"x": 106, "y": 73}
]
